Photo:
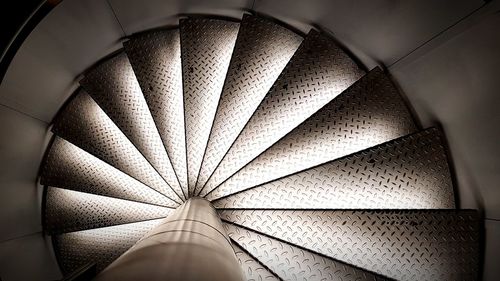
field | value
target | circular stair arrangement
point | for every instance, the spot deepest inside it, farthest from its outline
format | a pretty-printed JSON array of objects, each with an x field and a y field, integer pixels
[{"x": 316, "y": 166}]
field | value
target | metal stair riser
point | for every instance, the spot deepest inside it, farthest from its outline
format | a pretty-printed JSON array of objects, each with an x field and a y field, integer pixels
[
  {"x": 318, "y": 72},
  {"x": 156, "y": 60},
  {"x": 408, "y": 173},
  {"x": 262, "y": 50},
  {"x": 404, "y": 245},
  {"x": 206, "y": 49},
  {"x": 68, "y": 211},
  {"x": 368, "y": 113},
  {"x": 113, "y": 85},
  {"x": 251, "y": 267},
  {"x": 101, "y": 246},
  {"x": 70, "y": 167},
  {"x": 84, "y": 123},
  {"x": 293, "y": 263}
]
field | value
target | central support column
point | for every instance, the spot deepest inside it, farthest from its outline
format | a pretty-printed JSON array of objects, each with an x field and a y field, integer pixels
[{"x": 189, "y": 245}]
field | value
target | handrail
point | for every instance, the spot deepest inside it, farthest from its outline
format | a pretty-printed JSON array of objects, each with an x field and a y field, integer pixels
[{"x": 22, "y": 33}]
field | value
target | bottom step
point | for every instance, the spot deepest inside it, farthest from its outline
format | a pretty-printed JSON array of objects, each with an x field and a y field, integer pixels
[
  {"x": 404, "y": 245},
  {"x": 100, "y": 246},
  {"x": 293, "y": 263}
]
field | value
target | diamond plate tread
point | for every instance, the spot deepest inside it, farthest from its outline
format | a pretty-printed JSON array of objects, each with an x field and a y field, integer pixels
[
  {"x": 101, "y": 246},
  {"x": 206, "y": 49},
  {"x": 318, "y": 72},
  {"x": 83, "y": 123},
  {"x": 70, "y": 167},
  {"x": 262, "y": 50},
  {"x": 155, "y": 57},
  {"x": 407, "y": 173},
  {"x": 403, "y": 244},
  {"x": 368, "y": 113},
  {"x": 68, "y": 211},
  {"x": 293, "y": 263},
  {"x": 251, "y": 267},
  {"x": 114, "y": 87}
]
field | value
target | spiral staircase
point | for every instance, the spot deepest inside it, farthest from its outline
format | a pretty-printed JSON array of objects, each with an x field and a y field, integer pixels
[{"x": 315, "y": 165}]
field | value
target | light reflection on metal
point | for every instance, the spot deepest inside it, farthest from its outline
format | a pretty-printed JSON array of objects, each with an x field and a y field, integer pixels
[
  {"x": 252, "y": 268},
  {"x": 189, "y": 245},
  {"x": 404, "y": 245},
  {"x": 68, "y": 210},
  {"x": 370, "y": 112},
  {"x": 101, "y": 246},
  {"x": 155, "y": 57},
  {"x": 113, "y": 85},
  {"x": 83, "y": 123},
  {"x": 317, "y": 73},
  {"x": 293, "y": 263},
  {"x": 262, "y": 50},
  {"x": 70, "y": 167},
  {"x": 407, "y": 173},
  {"x": 207, "y": 45}
]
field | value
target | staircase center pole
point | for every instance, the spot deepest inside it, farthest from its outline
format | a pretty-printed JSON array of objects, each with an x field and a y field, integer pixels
[{"x": 190, "y": 245}]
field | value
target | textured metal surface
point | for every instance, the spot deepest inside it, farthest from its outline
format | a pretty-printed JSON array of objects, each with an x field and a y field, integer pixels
[
  {"x": 408, "y": 173},
  {"x": 253, "y": 270},
  {"x": 68, "y": 211},
  {"x": 84, "y": 124},
  {"x": 293, "y": 263},
  {"x": 370, "y": 112},
  {"x": 262, "y": 50},
  {"x": 206, "y": 48},
  {"x": 189, "y": 245},
  {"x": 102, "y": 245},
  {"x": 70, "y": 167},
  {"x": 404, "y": 245},
  {"x": 156, "y": 59},
  {"x": 113, "y": 85},
  {"x": 317, "y": 73}
]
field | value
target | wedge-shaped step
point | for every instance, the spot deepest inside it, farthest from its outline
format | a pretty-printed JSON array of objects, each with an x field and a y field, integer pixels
[
  {"x": 290, "y": 262},
  {"x": 83, "y": 123},
  {"x": 206, "y": 48},
  {"x": 113, "y": 85},
  {"x": 404, "y": 245},
  {"x": 70, "y": 167},
  {"x": 251, "y": 267},
  {"x": 317, "y": 73},
  {"x": 156, "y": 59},
  {"x": 68, "y": 210},
  {"x": 262, "y": 50},
  {"x": 370, "y": 112},
  {"x": 101, "y": 246},
  {"x": 408, "y": 173}
]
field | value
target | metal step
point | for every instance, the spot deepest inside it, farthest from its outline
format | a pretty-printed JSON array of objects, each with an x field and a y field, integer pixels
[
  {"x": 317, "y": 73},
  {"x": 83, "y": 123},
  {"x": 370, "y": 112},
  {"x": 100, "y": 246},
  {"x": 70, "y": 167},
  {"x": 290, "y": 262},
  {"x": 206, "y": 49},
  {"x": 155, "y": 57},
  {"x": 67, "y": 211},
  {"x": 408, "y": 173},
  {"x": 262, "y": 50},
  {"x": 404, "y": 244},
  {"x": 251, "y": 267},
  {"x": 113, "y": 85}
]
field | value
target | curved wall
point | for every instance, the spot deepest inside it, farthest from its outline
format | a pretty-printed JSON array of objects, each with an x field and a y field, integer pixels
[{"x": 445, "y": 57}]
